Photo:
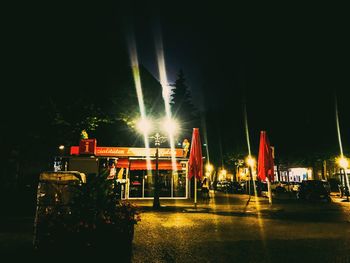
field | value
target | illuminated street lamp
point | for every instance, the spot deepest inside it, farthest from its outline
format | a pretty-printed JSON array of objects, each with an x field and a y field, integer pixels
[
  {"x": 209, "y": 167},
  {"x": 251, "y": 163},
  {"x": 145, "y": 126},
  {"x": 208, "y": 170},
  {"x": 223, "y": 173},
  {"x": 344, "y": 164},
  {"x": 61, "y": 149}
]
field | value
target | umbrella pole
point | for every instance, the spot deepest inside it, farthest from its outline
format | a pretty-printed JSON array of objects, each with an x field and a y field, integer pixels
[
  {"x": 195, "y": 192},
  {"x": 269, "y": 190}
]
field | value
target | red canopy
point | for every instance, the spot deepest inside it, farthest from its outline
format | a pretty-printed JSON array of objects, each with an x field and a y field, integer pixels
[
  {"x": 195, "y": 163},
  {"x": 265, "y": 159}
]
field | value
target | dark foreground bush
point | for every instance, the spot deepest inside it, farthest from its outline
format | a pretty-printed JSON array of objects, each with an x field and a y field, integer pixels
[{"x": 93, "y": 222}]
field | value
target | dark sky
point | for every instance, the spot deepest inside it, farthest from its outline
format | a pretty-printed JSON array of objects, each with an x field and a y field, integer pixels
[{"x": 285, "y": 61}]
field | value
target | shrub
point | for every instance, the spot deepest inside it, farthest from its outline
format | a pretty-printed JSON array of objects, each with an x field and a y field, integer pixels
[{"x": 94, "y": 218}]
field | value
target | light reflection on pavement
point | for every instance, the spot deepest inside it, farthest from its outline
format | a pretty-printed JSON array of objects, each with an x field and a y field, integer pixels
[{"x": 223, "y": 233}]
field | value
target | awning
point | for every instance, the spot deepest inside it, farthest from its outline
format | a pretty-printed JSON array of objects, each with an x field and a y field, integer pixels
[
  {"x": 123, "y": 163},
  {"x": 142, "y": 164}
]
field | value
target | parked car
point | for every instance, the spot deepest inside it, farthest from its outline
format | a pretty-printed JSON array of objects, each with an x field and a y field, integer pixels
[
  {"x": 230, "y": 187},
  {"x": 314, "y": 190},
  {"x": 223, "y": 186},
  {"x": 248, "y": 187},
  {"x": 295, "y": 186},
  {"x": 281, "y": 188},
  {"x": 236, "y": 188}
]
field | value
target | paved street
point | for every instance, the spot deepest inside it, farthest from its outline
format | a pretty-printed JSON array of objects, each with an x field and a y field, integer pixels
[{"x": 227, "y": 229}]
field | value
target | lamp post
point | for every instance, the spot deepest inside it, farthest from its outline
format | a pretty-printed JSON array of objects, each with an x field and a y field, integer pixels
[
  {"x": 344, "y": 164},
  {"x": 144, "y": 126},
  {"x": 158, "y": 139},
  {"x": 64, "y": 165},
  {"x": 251, "y": 163},
  {"x": 61, "y": 148},
  {"x": 208, "y": 170}
]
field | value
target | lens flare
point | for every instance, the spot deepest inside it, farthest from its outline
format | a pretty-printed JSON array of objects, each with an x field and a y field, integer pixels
[
  {"x": 209, "y": 167},
  {"x": 343, "y": 162},
  {"x": 138, "y": 87},
  {"x": 170, "y": 126},
  {"x": 205, "y": 138},
  {"x": 252, "y": 163},
  {"x": 144, "y": 126},
  {"x": 166, "y": 93},
  {"x": 246, "y": 127},
  {"x": 338, "y": 128}
]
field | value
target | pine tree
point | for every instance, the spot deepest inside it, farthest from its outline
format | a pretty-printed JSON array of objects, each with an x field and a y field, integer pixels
[{"x": 182, "y": 106}]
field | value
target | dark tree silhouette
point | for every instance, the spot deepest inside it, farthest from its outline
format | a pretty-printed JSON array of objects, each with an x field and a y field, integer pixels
[{"x": 182, "y": 106}]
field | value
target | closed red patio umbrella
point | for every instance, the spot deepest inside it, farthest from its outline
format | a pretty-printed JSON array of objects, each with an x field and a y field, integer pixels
[
  {"x": 195, "y": 163},
  {"x": 265, "y": 161}
]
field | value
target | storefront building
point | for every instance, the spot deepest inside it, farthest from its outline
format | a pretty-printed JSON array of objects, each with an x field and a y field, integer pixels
[
  {"x": 133, "y": 170},
  {"x": 296, "y": 174}
]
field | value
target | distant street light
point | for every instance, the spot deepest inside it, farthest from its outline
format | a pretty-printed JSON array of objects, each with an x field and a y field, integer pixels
[
  {"x": 145, "y": 126},
  {"x": 251, "y": 163},
  {"x": 223, "y": 173},
  {"x": 343, "y": 162},
  {"x": 61, "y": 150},
  {"x": 209, "y": 167}
]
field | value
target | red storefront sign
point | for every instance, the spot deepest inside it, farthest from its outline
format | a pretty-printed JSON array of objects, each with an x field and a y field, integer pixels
[
  {"x": 87, "y": 147},
  {"x": 126, "y": 151}
]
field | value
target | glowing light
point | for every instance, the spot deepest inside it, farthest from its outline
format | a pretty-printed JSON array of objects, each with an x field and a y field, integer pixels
[
  {"x": 223, "y": 173},
  {"x": 166, "y": 89},
  {"x": 298, "y": 171},
  {"x": 205, "y": 139},
  {"x": 144, "y": 126},
  {"x": 162, "y": 75},
  {"x": 246, "y": 126},
  {"x": 209, "y": 167},
  {"x": 338, "y": 128},
  {"x": 136, "y": 74},
  {"x": 170, "y": 126},
  {"x": 343, "y": 162},
  {"x": 61, "y": 147},
  {"x": 250, "y": 161},
  {"x": 138, "y": 87}
]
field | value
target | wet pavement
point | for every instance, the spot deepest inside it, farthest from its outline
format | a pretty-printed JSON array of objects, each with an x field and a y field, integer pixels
[
  {"x": 230, "y": 229},
  {"x": 226, "y": 229}
]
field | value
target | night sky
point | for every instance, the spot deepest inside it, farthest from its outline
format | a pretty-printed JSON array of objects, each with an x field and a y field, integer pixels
[{"x": 286, "y": 62}]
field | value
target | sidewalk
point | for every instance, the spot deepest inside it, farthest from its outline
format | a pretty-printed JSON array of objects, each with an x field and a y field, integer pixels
[
  {"x": 240, "y": 204},
  {"x": 219, "y": 202},
  {"x": 335, "y": 196}
]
